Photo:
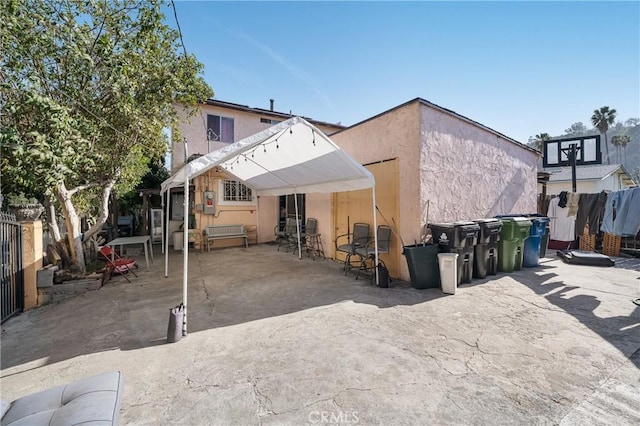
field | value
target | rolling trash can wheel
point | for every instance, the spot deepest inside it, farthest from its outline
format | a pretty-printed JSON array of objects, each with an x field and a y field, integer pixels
[{"x": 176, "y": 318}]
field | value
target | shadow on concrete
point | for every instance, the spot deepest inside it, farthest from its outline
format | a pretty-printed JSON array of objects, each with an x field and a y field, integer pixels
[
  {"x": 226, "y": 287},
  {"x": 622, "y": 332},
  {"x": 235, "y": 286}
]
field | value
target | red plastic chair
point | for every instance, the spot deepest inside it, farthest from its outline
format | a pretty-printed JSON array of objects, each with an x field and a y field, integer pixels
[{"x": 121, "y": 265}]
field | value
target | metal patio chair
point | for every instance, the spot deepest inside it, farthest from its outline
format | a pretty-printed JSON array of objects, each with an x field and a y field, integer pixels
[
  {"x": 117, "y": 264},
  {"x": 357, "y": 238},
  {"x": 368, "y": 251}
]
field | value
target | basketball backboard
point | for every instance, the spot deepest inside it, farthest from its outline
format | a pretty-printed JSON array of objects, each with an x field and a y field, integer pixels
[{"x": 556, "y": 151}]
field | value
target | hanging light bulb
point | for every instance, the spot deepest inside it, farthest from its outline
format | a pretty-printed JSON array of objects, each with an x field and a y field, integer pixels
[
  {"x": 314, "y": 137},
  {"x": 277, "y": 144},
  {"x": 290, "y": 131},
  {"x": 265, "y": 148}
]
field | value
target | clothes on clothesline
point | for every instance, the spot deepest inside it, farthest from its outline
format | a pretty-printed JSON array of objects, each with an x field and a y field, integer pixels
[
  {"x": 562, "y": 202},
  {"x": 591, "y": 209},
  {"x": 572, "y": 203},
  {"x": 622, "y": 213},
  {"x": 561, "y": 226}
]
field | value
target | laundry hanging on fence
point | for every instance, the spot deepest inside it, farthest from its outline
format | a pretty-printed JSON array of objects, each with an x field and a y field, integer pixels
[
  {"x": 561, "y": 226},
  {"x": 622, "y": 213},
  {"x": 591, "y": 210}
]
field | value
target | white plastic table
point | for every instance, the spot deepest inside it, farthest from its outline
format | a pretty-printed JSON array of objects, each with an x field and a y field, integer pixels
[{"x": 145, "y": 240}]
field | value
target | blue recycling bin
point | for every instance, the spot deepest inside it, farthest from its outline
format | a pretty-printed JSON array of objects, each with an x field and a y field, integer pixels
[{"x": 532, "y": 245}]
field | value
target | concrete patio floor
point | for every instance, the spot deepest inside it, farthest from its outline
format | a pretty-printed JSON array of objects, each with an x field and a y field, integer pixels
[{"x": 278, "y": 340}]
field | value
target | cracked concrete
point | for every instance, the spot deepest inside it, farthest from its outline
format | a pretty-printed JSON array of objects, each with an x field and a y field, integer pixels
[{"x": 277, "y": 340}]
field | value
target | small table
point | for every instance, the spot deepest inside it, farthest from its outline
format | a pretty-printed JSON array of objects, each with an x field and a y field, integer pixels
[{"x": 145, "y": 240}]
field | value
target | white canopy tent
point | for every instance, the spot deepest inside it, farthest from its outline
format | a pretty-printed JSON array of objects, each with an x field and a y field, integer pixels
[{"x": 291, "y": 157}]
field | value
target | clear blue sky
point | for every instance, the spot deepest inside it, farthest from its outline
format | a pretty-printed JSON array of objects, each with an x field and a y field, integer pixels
[{"x": 521, "y": 68}]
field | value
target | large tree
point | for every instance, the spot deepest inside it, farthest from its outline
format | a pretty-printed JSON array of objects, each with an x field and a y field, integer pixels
[
  {"x": 603, "y": 118},
  {"x": 576, "y": 129},
  {"x": 86, "y": 89}
]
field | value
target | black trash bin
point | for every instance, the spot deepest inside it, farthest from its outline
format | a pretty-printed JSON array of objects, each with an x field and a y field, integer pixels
[
  {"x": 422, "y": 260},
  {"x": 461, "y": 238},
  {"x": 176, "y": 318},
  {"x": 383, "y": 276},
  {"x": 486, "y": 250}
]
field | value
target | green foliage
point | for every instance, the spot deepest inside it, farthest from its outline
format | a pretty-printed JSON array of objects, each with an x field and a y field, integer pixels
[
  {"x": 576, "y": 129},
  {"x": 21, "y": 200},
  {"x": 603, "y": 118},
  {"x": 87, "y": 88},
  {"x": 131, "y": 202},
  {"x": 537, "y": 141}
]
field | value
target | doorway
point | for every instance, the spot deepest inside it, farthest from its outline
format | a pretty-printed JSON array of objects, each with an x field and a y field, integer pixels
[{"x": 287, "y": 208}]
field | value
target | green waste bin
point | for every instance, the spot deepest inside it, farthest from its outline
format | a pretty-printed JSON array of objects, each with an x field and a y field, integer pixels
[
  {"x": 422, "y": 260},
  {"x": 511, "y": 245}
]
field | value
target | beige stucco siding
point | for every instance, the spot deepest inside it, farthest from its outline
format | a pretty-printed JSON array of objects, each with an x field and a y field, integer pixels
[
  {"x": 394, "y": 134},
  {"x": 194, "y": 130},
  {"x": 467, "y": 172}
]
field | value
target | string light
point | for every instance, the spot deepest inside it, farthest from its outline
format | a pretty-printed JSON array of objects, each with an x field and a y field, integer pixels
[
  {"x": 277, "y": 144},
  {"x": 265, "y": 148},
  {"x": 314, "y": 137},
  {"x": 290, "y": 131}
]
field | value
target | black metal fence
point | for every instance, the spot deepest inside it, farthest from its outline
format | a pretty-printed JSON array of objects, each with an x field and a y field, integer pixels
[{"x": 11, "y": 270}]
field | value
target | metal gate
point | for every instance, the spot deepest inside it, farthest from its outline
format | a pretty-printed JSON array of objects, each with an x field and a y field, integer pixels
[{"x": 11, "y": 271}]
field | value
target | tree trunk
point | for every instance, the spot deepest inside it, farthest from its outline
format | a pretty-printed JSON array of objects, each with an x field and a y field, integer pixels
[
  {"x": 606, "y": 144},
  {"x": 73, "y": 226},
  {"x": 52, "y": 222},
  {"x": 104, "y": 210}
]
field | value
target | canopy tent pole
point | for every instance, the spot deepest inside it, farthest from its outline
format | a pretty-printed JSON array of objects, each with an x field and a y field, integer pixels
[
  {"x": 162, "y": 222},
  {"x": 185, "y": 248},
  {"x": 167, "y": 196},
  {"x": 375, "y": 230},
  {"x": 295, "y": 201}
]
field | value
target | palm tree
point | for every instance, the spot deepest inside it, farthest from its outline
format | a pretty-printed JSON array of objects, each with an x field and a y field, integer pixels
[
  {"x": 621, "y": 141},
  {"x": 538, "y": 141},
  {"x": 615, "y": 141},
  {"x": 602, "y": 118}
]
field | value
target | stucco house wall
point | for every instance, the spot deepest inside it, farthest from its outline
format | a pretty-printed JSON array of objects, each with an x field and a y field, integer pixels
[
  {"x": 263, "y": 212},
  {"x": 246, "y": 123},
  {"x": 461, "y": 168},
  {"x": 467, "y": 172},
  {"x": 394, "y": 134}
]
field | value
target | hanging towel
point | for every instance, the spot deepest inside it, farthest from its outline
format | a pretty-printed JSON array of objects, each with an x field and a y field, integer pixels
[
  {"x": 572, "y": 203},
  {"x": 627, "y": 220},
  {"x": 561, "y": 226}
]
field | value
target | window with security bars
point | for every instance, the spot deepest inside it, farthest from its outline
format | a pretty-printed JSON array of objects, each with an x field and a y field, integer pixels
[{"x": 235, "y": 191}]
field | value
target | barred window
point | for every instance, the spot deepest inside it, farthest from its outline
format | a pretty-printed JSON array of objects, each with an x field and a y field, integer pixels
[{"x": 236, "y": 191}]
